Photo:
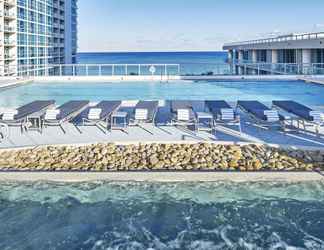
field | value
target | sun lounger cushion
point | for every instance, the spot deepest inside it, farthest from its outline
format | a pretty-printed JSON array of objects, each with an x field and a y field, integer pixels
[
  {"x": 145, "y": 110},
  {"x": 183, "y": 105},
  {"x": 216, "y": 106},
  {"x": 295, "y": 108},
  {"x": 94, "y": 114},
  {"x": 108, "y": 107},
  {"x": 258, "y": 110},
  {"x": 30, "y": 108},
  {"x": 70, "y": 108},
  {"x": 175, "y": 105},
  {"x": 33, "y": 107}
]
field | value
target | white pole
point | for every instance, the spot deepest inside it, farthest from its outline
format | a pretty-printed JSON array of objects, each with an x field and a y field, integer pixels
[
  {"x": 165, "y": 70},
  {"x": 126, "y": 71},
  {"x": 139, "y": 69},
  {"x": 87, "y": 70},
  {"x": 113, "y": 70},
  {"x": 60, "y": 69},
  {"x": 100, "y": 70}
]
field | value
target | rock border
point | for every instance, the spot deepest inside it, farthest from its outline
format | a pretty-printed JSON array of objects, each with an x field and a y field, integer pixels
[{"x": 161, "y": 157}]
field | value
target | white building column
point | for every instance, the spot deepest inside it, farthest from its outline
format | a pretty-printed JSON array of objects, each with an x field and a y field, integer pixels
[
  {"x": 231, "y": 59},
  {"x": 240, "y": 55},
  {"x": 306, "y": 60},
  {"x": 240, "y": 58},
  {"x": 230, "y": 56},
  {"x": 307, "y": 56},
  {"x": 254, "y": 56},
  {"x": 274, "y": 56}
]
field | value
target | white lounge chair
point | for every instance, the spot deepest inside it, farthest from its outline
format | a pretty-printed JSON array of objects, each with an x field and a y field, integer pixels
[
  {"x": 64, "y": 113},
  {"x": 19, "y": 117},
  {"x": 183, "y": 114},
  {"x": 223, "y": 113},
  {"x": 4, "y": 131}
]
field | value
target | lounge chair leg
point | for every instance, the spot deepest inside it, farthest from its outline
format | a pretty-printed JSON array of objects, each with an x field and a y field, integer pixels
[
  {"x": 165, "y": 131},
  {"x": 145, "y": 129},
  {"x": 77, "y": 128},
  {"x": 101, "y": 129},
  {"x": 62, "y": 129}
]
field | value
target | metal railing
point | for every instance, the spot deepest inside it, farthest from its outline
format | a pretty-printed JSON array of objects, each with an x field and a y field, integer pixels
[
  {"x": 95, "y": 69},
  {"x": 291, "y": 37},
  {"x": 236, "y": 67},
  {"x": 281, "y": 68}
]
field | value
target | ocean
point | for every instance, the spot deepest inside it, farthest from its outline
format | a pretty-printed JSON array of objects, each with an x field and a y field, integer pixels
[{"x": 190, "y": 62}]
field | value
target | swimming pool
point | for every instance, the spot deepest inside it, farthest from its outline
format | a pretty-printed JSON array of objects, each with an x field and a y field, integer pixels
[
  {"x": 264, "y": 91},
  {"x": 131, "y": 215}
]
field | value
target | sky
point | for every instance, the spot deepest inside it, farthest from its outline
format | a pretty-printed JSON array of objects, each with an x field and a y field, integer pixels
[{"x": 189, "y": 25}]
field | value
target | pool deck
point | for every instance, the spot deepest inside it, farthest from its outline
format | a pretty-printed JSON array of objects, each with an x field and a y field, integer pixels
[
  {"x": 10, "y": 82},
  {"x": 123, "y": 78},
  {"x": 6, "y": 82},
  {"x": 313, "y": 79},
  {"x": 72, "y": 177},
  {"x": 147, "y": 133}
]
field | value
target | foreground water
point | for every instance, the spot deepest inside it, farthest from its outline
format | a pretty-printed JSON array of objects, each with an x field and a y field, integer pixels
[{"x": 133, "y": 215}]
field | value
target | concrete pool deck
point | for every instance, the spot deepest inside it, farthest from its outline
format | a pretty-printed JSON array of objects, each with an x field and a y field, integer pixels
[
  {"x": 13, "y": 81},
  {"x": 251, "y": 133},
  {"x": 178, "y": 77},
  {"x": 170, "y": 176}
]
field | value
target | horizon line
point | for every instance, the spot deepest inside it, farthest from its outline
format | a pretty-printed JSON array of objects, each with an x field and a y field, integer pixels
[{"x": 134, "y": 51}]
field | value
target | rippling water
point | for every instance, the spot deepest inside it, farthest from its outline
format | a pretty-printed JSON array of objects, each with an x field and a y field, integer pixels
[{"x": 133, "y": 215}]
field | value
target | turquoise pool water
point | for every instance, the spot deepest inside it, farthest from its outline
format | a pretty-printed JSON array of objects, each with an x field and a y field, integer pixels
[
  {"x": 265, "y": 91},
  {"x": 107, "y": 215}
]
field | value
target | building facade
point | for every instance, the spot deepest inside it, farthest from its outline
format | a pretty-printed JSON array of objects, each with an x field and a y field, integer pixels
[
  {"x": 300, "y": 52},
  {"x": 35, "y": 34}
]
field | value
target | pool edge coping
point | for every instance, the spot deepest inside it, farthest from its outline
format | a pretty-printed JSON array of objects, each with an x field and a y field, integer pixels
[{"x": 162, "y": 176}]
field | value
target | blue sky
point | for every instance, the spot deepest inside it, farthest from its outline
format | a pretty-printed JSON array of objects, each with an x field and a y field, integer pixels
[{"x": 189, "y": 25}]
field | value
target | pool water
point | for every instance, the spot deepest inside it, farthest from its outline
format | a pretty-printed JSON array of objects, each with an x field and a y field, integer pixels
[
  {"x": 108, "y": 215},
  {"x": 265, "y": 91}
]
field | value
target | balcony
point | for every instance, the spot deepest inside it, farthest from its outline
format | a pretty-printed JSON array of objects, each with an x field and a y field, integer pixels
[
  {"x": 9, "y": 29},
  {"x": 10, "y": 56},
  {"x": 10, "y": 3},
  {"x": 8, "y": 42},
  {"x": 9, "y": 15}
]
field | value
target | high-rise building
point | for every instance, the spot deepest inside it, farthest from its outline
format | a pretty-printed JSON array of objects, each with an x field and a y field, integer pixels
[{"x": 35, "y": 34}]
